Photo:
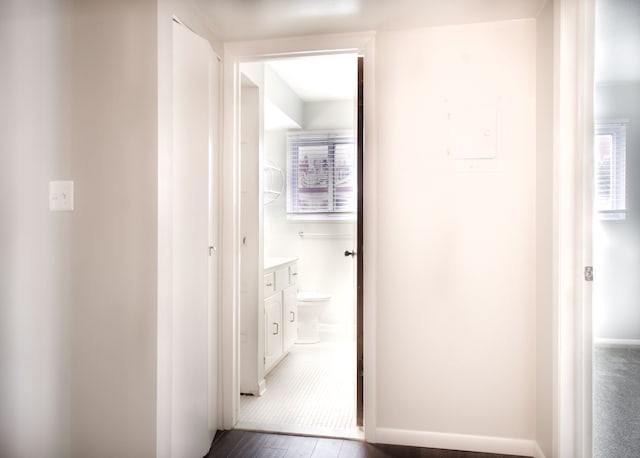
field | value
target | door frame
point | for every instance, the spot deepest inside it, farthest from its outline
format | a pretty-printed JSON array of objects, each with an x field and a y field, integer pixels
[
  {"x": 586, "y": 63},
  {"x": 572, "y": 215},
  {"x": 251, "y": 51}
]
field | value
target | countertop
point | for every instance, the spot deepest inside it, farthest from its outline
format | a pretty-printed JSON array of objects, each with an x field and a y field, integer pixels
[{"x": 274, "y": 263}]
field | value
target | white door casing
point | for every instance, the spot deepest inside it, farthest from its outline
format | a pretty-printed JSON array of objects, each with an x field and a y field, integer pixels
[{"x": 235, "y": 54}]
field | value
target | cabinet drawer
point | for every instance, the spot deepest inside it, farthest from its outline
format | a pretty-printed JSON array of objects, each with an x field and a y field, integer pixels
[
  {"x": 282, "y": 278},
  {"x": 286, "y": 276},
  {"x": 269, "y": 284}
]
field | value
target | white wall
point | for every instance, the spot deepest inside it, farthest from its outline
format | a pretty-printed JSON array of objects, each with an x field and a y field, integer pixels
[
  {"x": 331, "y": 114},
  {"x": 282, "y": 96},
  {"x": 544, "y": 242},
  {"x": 616, "y": 254},
  {"x": 113, "y": 267},
  {"x": 79, "y": 348},
  {"x": 456, "y": 263},
  {"x": 322, "y": 264},
  {"x": 36, "y": 263},
  {"x": 80, "y": 299}
]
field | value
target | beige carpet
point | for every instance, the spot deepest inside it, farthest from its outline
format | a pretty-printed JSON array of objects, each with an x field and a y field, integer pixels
[
  {"x": 616, "y": 401},
  {"x": 311, "y": 391}
]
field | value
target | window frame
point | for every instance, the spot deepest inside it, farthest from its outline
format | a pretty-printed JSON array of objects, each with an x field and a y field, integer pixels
[
  {"x": 612, "y": 207},
  {"x": 330, "y": 139}
]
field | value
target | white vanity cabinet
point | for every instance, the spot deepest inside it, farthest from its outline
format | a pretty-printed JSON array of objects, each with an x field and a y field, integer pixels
[
  {"x": 280, "y": 309},
  {"x": 273, "y": 332},
  {"x": 290, "y": 317}
]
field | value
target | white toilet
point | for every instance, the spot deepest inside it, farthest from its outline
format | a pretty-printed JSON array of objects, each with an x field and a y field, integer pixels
[{"x": 310, "y": 306}]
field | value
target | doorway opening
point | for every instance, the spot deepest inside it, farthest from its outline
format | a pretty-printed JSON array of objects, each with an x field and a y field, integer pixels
[
  {"x": 616, "y": 231},
  {"x": 300, "y": 322}
]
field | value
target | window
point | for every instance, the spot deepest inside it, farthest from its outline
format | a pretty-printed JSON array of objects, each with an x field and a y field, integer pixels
[
  {"x": 321, "y": 175},
  {"x": 609, "y": 165}
]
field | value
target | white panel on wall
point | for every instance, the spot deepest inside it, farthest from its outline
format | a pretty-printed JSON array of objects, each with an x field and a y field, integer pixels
[{"x": 472, "y": 128}]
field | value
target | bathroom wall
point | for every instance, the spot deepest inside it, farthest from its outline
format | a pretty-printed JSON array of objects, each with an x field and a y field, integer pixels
[
  {"x": 323, "y": 266},
  {"x": 616, "y": 254}
]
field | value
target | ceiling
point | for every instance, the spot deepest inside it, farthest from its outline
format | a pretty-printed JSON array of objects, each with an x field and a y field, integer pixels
[
  {"x": 233, "y": 20},
  {"x": 617, "y": 50},
  {"x": 333, "y": 77},
  {"x": 319, "y": 78},
  {"x": 617, "y": 22}
]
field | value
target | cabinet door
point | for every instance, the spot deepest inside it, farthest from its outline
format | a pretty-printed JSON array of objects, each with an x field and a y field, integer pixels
[
  {"x": 293, "y": 273},
  {"x": 290, "y": 317},
  {"x": 273, "y": 330}
]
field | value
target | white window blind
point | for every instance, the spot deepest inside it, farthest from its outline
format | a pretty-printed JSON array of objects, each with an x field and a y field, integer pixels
[
  {"x": 321, "y": 175},
  {"x": 609, "y": 168}
]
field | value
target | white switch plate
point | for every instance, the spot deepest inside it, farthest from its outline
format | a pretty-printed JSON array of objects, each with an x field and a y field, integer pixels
[{"x": 61, "y": 195}]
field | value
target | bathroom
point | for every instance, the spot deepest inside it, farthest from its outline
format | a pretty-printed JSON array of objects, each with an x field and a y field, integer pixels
[{"x": 304, "y": 220}]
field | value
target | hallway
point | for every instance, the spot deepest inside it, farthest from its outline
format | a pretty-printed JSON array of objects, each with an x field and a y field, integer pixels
[{"x": 244, "y": 444}]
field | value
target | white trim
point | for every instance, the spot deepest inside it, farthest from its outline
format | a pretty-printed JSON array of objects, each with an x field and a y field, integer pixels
[
  {"x": 563, "y": 228},
  {"x": 262, "y": 387},
  {"x": 537, "y": 451},
  {"x": 572, "y": 333},
  {"x": 464, "y": 442},
  {"x": 235, "y": 53},
  {"x": 584, "y": 204},
  {"x": 231, "y": 247},
  {"x": 370, "y": 243},
  {"x": 309, "y": 45},
  {"x": 584, "y": 222},
  {"x": 573, "y": 134},
  {"x": 616, "y": 342}
]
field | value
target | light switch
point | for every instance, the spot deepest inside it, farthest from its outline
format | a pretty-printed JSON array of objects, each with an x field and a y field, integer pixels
[{"x": 61, "y": 195}]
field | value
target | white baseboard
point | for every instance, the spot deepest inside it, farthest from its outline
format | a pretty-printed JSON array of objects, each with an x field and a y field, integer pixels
[
  {"x": 617, "y": 342},
  {"x": 537, "y": 451},
  {"x": 486, "y": 444}
]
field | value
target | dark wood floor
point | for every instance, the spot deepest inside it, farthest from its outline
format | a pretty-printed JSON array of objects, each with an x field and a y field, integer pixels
[{"x": 246, "y": 444}]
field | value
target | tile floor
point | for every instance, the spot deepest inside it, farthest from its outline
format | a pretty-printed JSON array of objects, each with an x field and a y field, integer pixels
[{"x": 311, "y": 391}]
